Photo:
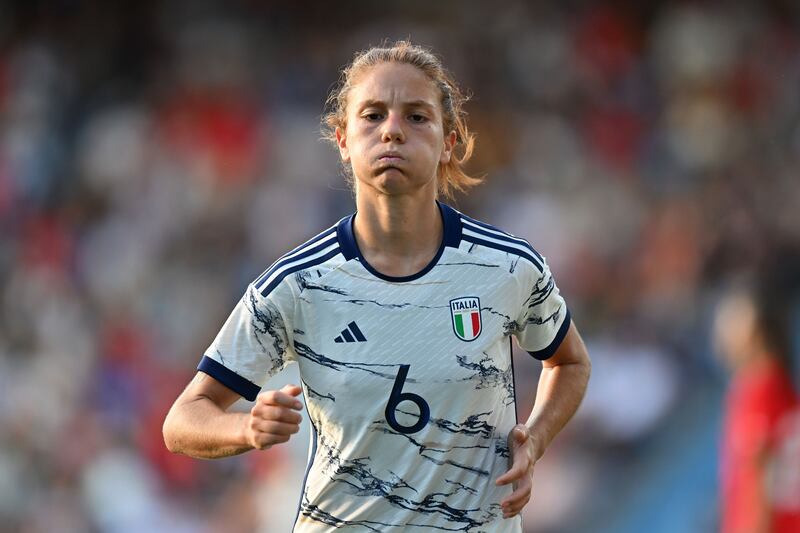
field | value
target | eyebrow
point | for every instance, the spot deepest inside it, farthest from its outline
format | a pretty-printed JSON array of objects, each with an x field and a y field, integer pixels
[{"x": 412, "y": 104}]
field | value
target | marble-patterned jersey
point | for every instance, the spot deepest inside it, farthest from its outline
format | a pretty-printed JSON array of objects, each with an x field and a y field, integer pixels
[{"x": 408, "y": 381}]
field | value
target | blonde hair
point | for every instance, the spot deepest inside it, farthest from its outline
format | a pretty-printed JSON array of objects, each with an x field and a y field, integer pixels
[{"x": 451, "y": 175}]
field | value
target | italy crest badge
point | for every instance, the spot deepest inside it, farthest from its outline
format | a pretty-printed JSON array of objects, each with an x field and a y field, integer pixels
[{"x": 466, "y": 315}]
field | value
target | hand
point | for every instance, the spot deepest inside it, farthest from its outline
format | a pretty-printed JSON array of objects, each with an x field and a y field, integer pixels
[
  {"x": 274, "y": 417},
  {"x": 523, "y": 457}
]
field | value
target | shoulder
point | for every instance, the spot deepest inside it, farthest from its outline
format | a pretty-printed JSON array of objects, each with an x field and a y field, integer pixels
[
  {"x": 319, "y": 252},
  {"x": 492, "y": 240}
]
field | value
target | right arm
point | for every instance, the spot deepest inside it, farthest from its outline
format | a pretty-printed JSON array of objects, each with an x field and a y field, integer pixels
[{"x": 199, "y": 424}]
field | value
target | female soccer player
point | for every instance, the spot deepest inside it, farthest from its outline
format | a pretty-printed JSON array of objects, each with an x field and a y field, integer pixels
[{"x": 400, "y": 317}]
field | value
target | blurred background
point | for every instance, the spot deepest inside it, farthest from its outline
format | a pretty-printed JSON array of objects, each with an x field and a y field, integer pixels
[{"x": 155, "y": 157}]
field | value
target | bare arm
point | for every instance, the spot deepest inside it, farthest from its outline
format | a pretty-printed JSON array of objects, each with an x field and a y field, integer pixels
[
  {"x": 199, "y": 424},
  {"x": 562, "y": 385}
]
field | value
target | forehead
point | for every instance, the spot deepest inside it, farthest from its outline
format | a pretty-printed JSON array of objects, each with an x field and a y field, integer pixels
[{"x": 393, "y": 83}]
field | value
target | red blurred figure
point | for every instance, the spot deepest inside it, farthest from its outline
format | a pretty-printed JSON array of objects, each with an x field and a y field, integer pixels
[{"x": 758, "y": 407}]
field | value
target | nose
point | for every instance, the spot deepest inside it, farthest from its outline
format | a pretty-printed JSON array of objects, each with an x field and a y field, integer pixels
[{"x": 392, "y": 130}]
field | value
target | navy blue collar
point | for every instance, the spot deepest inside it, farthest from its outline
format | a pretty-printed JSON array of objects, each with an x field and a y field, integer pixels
[{"x": 452, "y": 237}]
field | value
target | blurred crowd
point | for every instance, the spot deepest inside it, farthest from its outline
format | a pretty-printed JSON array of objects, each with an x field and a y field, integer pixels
[{"x": 156, "y": 157}]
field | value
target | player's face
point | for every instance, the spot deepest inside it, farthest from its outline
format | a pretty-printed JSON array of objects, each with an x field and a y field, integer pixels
[
  {"x": 394, "y": 138},
  {"x": 735, "y": 329}
]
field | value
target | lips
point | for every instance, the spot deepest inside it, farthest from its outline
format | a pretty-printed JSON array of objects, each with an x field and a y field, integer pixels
[
  {"x": 390, "y": 157},
  {"x": 389, "y": 160}
]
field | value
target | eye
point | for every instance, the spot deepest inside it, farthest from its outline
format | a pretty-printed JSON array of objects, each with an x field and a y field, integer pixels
[
  {"x": 416, "y": 117},
  {"x": 372, "y": 117}
]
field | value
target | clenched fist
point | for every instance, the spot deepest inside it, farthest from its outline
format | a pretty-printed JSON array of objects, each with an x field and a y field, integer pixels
[{"x": 274, "y": 417}]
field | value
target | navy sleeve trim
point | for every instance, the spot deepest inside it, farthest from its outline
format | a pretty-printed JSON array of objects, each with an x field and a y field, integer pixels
[
  {"x": 548, "y": 352},
  {"x": 244, "y": 387}
]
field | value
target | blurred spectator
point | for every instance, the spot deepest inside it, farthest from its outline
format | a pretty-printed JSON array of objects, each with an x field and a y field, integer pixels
[{"x": 751, "y": 336}]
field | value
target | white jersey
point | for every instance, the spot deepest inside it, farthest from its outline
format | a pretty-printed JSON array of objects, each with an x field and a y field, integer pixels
[{"x": 408, "y": 381}]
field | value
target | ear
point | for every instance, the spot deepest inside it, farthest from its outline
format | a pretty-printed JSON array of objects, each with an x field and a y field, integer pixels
[
  {"x": 447, "y": 148},
  {"x": 341, "y": 142}
]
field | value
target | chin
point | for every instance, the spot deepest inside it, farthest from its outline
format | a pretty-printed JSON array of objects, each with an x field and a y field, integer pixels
[
  {"x": 393, "y": 182},
  {"x": 392, "y": 187},
  {"x": 390, "y": 180}
]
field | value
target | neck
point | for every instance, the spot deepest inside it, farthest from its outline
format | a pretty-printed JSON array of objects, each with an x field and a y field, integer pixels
[{"x": 398, "y": 235}]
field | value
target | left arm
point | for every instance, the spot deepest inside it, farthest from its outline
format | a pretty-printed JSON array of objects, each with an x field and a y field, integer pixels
[{"x": 562, "y": 385}]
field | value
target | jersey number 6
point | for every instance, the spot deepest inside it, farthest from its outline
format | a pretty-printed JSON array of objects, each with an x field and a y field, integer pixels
[{"x": 397, "y": 396}]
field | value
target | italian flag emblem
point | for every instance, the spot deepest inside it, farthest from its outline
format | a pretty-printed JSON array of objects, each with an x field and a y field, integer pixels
[{"x": 466, "y": 314}]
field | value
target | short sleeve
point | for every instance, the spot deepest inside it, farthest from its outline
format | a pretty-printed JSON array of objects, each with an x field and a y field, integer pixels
[
  {"x": 544, "y": 319},
  {"x": 253, "y": 344}
]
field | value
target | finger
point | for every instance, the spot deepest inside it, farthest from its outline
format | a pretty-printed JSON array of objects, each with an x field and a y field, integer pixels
[
  {"x": 275, "y": 428},
  {"x": 264, "y": 441},
  {"x": 291, "y": 389},
  {"x": 518, "y": 469},
  {"x": 280, "y": 414},
  {"x": 516, "y": 508},
  {"x": 510, "y": 513},
  {"x": 519, "y": 497},
  {"x": 280, "y": 397}
]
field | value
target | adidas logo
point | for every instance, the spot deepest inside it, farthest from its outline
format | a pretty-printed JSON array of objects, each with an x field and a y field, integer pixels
[{"x": 351, "y": 334}]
